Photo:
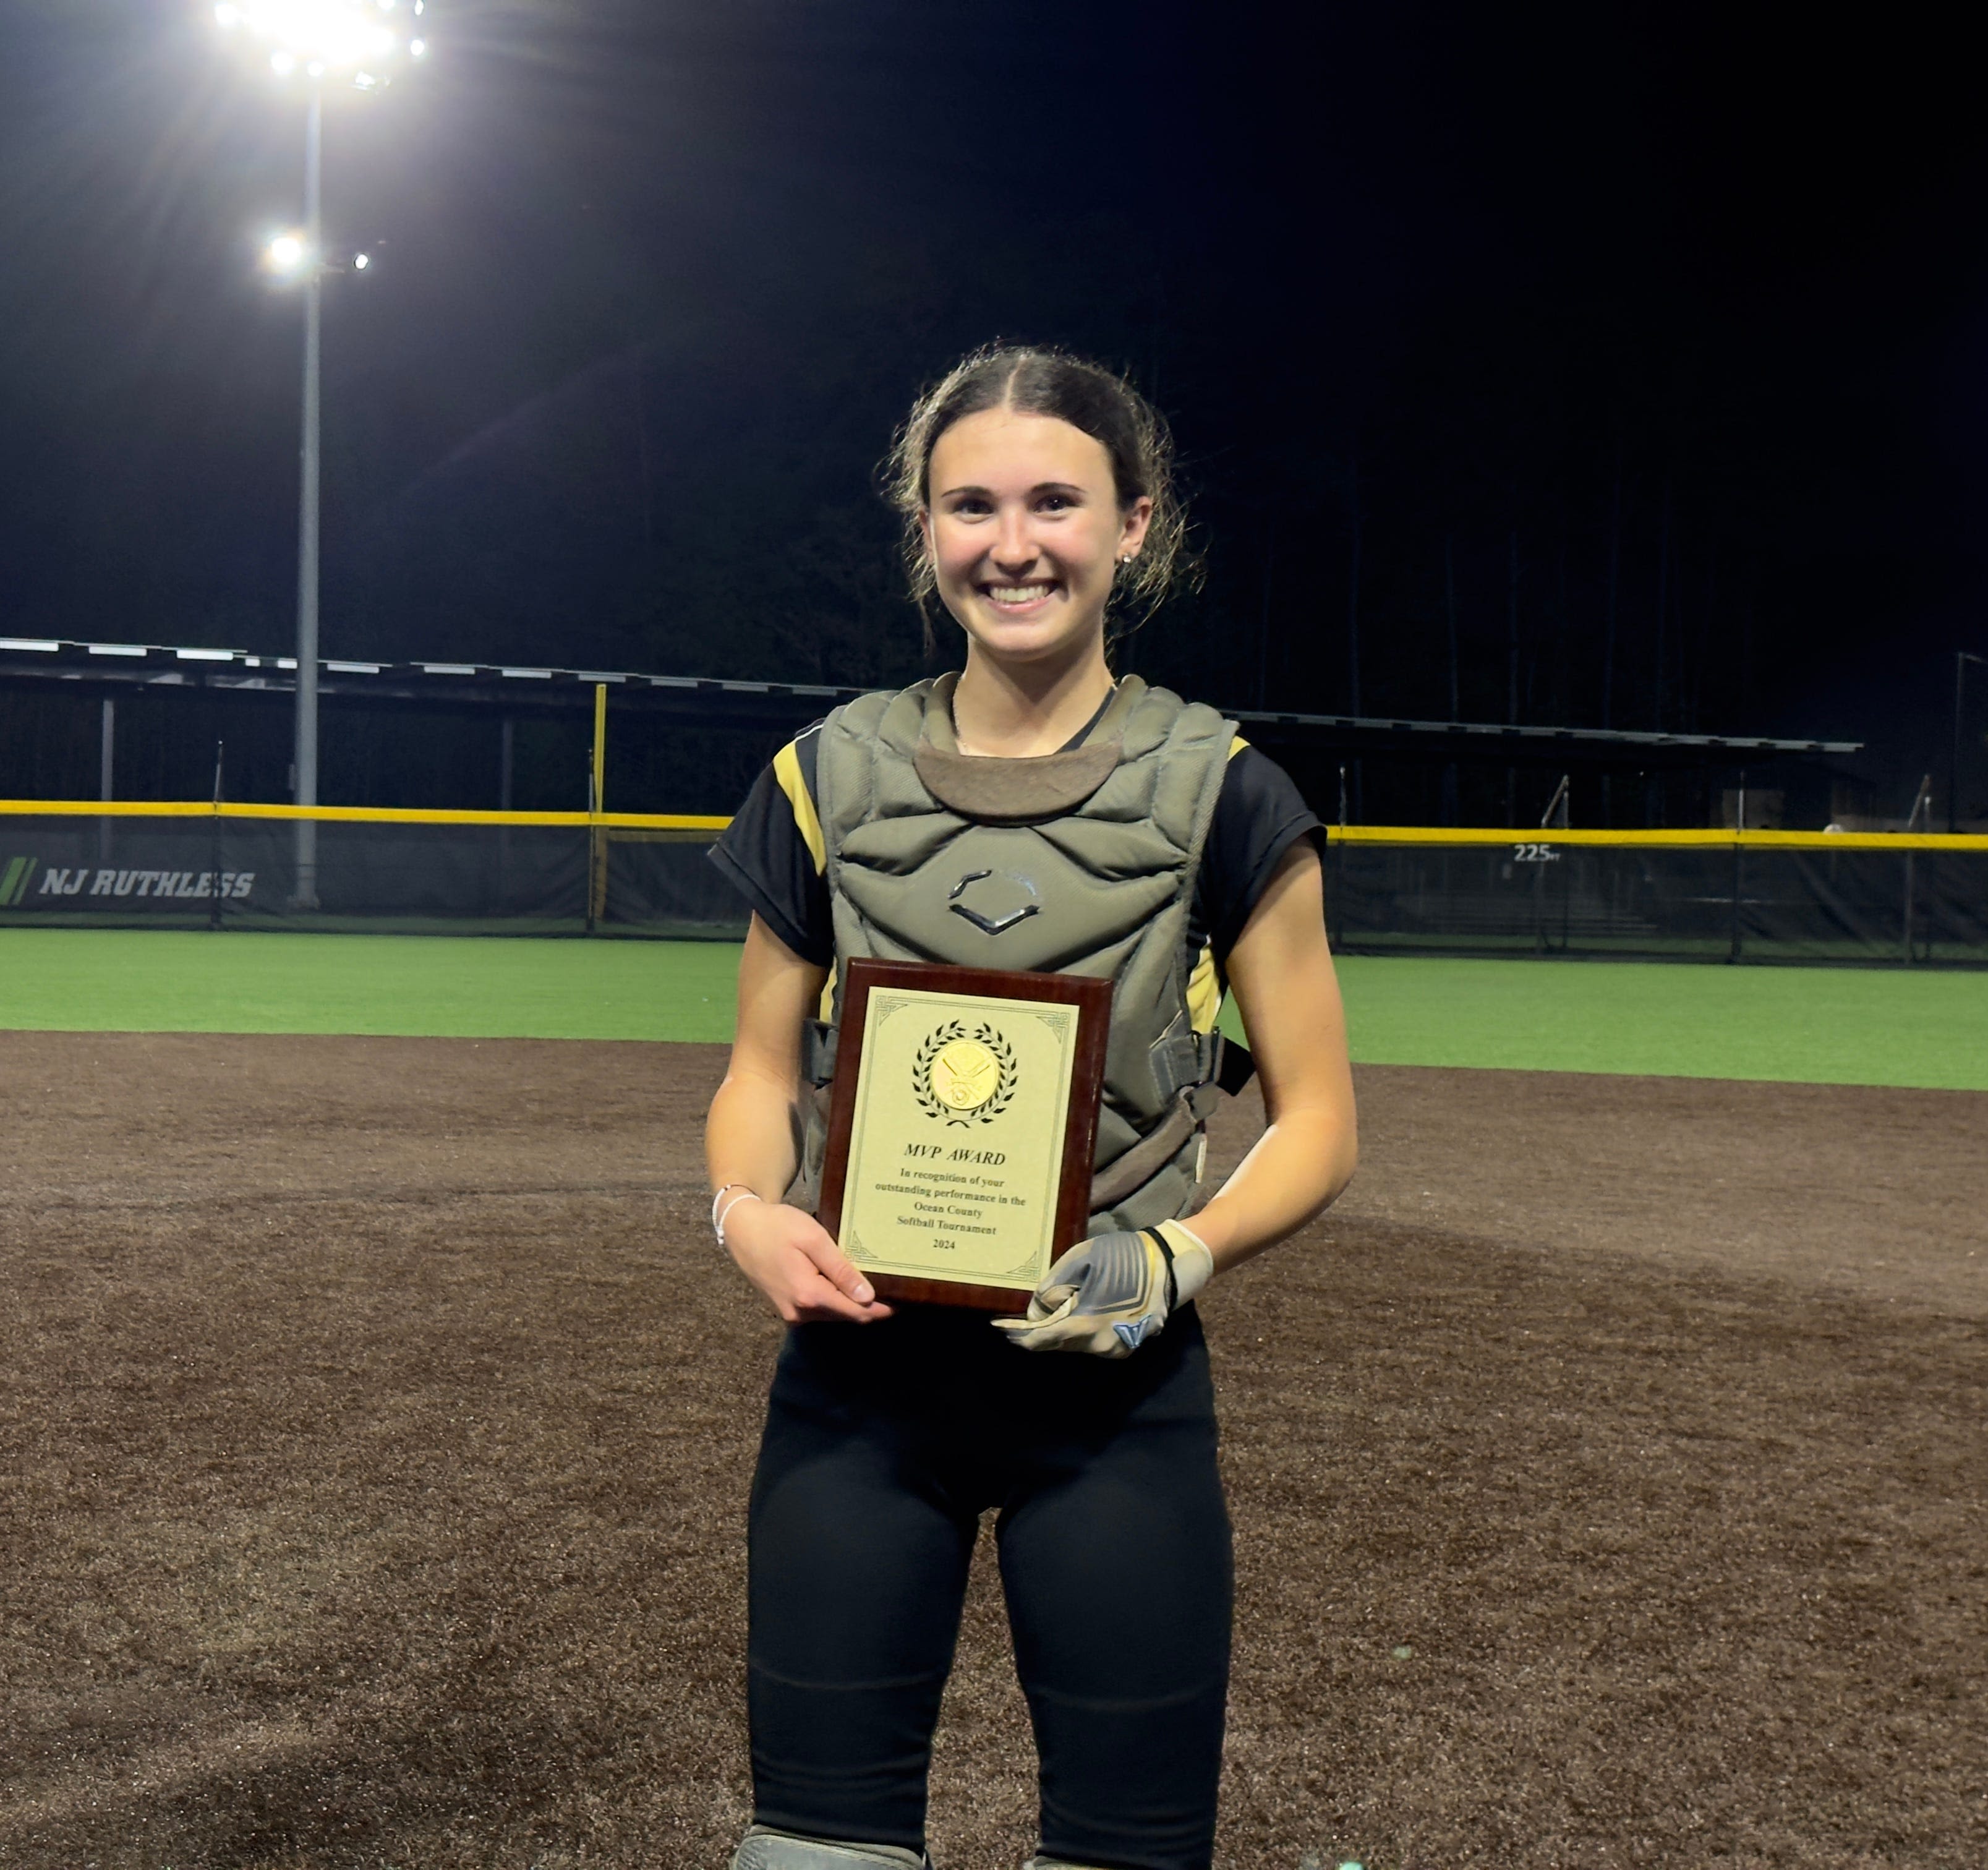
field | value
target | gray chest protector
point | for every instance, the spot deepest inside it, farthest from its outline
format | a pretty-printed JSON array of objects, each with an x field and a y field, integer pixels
[{"x": 1079, "y": 862}]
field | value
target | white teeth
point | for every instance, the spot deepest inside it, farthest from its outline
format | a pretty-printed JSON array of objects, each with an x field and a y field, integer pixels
[{"x": 1015, "y": 593}]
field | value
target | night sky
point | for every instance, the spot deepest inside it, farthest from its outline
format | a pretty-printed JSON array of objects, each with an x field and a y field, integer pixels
[{"x": 1527, "y": 318}]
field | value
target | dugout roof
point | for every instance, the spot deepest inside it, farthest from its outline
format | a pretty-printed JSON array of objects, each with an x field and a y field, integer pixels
[{"x": 109, "y": 667}]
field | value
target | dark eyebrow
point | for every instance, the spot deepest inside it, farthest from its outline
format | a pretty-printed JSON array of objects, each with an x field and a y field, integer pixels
[{"x": 1040, "y": 487}]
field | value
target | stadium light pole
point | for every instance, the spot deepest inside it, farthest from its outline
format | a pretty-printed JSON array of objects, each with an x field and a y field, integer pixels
[
  {"x": 359, "y": 44},
  {"x": 304, "y": 752},
  {"x": 1961, "y": 659}
]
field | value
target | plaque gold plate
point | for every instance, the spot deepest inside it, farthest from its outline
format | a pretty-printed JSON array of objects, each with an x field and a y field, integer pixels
[{"x": 962, "y": 1127}]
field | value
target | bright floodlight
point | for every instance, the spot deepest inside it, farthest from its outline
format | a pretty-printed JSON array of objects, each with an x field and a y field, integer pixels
[
  {"x": 350, "y": 39},
  {"x": 285, "y": 253},
  {"x": 360, "y": 262}
]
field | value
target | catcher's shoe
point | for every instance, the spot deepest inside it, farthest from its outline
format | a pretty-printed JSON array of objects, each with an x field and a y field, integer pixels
[{"x": 770, "y": 1850}]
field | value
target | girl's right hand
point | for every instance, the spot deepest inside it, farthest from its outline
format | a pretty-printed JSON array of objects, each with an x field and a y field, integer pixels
[{"x": 789, "y": 1257}]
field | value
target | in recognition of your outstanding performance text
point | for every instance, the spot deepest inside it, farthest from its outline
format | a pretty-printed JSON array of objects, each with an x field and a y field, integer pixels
[{"x": 938, "y": 1186}]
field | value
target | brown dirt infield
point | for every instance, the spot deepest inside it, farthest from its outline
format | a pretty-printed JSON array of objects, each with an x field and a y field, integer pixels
[{"x": 377, "y": 1421}]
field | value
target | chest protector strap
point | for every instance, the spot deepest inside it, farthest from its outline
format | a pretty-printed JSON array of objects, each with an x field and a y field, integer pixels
[{"x": 1078, "y": 862}]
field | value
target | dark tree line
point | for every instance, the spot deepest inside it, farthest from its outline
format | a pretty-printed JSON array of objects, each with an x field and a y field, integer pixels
[{"x": 1571, "y": 367}]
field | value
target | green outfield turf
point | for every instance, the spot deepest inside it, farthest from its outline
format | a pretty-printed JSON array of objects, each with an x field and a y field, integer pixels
[
  {"x": 1822, "y": 1025},
  {"x": 453, "y": 986},
  {"x": 1816, "y": 1025}
]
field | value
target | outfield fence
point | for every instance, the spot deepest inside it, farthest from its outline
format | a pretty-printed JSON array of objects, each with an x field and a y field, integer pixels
[
  {"x": 1711, "y": 895},
  {"x": 186, "y": 866}
]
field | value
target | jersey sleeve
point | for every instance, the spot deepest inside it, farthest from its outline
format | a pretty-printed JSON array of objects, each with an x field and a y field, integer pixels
[
  {"x": 1258, "y": 815},
  {"x": 772, "y": 853}
]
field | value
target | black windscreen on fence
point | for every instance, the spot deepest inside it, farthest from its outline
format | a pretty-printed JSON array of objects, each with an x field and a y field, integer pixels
[
  {"x": 1661, "y": 901},
  {"x": 663, "y": 884},
  {"x": 1651, "y": 897},
  {"x": 410, "y": 877}
]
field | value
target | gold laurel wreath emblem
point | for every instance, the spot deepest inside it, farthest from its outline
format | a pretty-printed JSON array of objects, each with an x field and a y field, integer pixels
[{"x": 964, "y": 1057}]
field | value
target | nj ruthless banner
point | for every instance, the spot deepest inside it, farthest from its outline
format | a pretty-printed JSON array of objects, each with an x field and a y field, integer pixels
[
  {"x": 413, "y": 877},
  {"x": 198, "y": 872},
  {"x": 110, "y": 869},
  {"x": 24, "y": 882}
]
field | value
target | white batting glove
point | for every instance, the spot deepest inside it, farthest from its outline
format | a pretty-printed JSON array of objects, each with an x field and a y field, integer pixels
[{"x": 1107, "y": 1295}]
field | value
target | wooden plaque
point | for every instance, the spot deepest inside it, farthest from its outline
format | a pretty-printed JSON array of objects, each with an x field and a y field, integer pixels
[{"x": 962, "y": 1127}]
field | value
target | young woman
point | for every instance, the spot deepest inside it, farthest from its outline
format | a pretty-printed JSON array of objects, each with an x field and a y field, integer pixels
[{"x": 1112, "y": 830}]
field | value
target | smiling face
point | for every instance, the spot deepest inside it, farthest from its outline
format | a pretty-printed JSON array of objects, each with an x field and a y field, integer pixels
[{"x": 1025, "y": 531}]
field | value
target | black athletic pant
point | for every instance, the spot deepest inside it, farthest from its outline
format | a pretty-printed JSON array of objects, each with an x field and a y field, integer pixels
[{"x": 883, "y": 1444}]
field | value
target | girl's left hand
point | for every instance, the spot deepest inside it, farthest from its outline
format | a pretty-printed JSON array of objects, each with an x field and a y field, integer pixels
[{"x": 1107, "y": 1295}]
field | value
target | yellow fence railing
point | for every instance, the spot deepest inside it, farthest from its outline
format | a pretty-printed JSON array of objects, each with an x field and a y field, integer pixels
[
  {"x": 357, "y": 814},
  {"x": 1712, "y": 838},
  {"x": 1709, "y": 838}
]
